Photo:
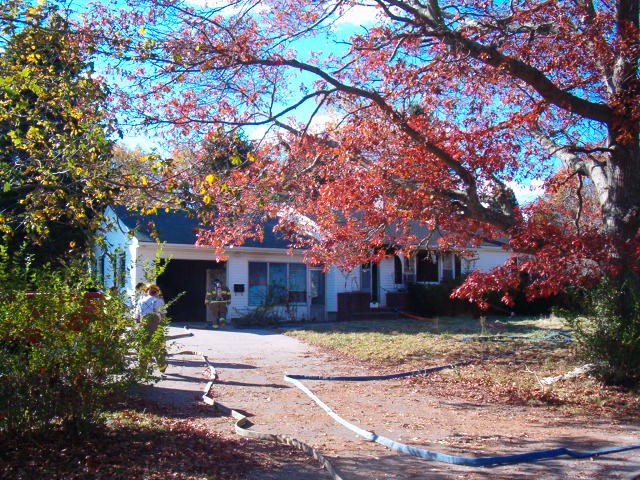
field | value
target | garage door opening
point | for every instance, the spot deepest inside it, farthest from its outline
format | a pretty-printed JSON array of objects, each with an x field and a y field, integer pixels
[{"x": 190, "y": 277}]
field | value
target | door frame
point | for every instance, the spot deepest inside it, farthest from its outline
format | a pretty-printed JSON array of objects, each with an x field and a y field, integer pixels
[{"x": 372, "y": 271}]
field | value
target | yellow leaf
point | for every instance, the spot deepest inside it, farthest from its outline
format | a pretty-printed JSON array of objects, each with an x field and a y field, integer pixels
[
  {"x": 34, "y": 133},
  {"x": 206, "y": 199},
  {"x": 144, "y": 180},
  {"x": 142, "y": 30},
  {"x": 211, "y": 178}
]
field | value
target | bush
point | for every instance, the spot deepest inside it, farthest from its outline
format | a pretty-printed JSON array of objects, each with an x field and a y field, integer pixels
[
  {"x": 260, "y": 316},
  {"x": 606, "y": 323},
  {"x": 266, "y": 314},
  {"x": 64, "y": 352},
  {"x": 274, "y": 309},
  {"x": 435, "y": 300}
]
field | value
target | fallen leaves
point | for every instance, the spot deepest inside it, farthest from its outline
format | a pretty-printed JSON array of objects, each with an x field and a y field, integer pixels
[{"x": 136, "y": 445}]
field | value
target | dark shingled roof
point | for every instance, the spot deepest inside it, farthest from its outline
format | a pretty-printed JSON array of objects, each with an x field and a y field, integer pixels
[
  {"x": 271, "y": 238},
  {"x": 180, "y": 228}
]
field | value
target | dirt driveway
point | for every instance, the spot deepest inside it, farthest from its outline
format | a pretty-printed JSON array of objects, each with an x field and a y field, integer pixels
[{"x": 251, "y": 364}]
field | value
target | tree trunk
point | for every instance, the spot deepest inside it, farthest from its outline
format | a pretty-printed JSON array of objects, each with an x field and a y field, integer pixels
[{"x": 617, "y": 183}]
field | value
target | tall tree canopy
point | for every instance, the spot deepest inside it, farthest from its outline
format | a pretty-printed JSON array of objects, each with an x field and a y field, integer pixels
[
  {"x": 430, "y": 113},
  {"x": 179, "y": 181},
  {"x": 55, "y": 151}
]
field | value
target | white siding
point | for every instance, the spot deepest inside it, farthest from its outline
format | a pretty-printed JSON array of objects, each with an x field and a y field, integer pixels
[
  {"x": 238, "y": 274},
  {"x": 339, "y": 281},
  {"x": 487, "y": 258}
]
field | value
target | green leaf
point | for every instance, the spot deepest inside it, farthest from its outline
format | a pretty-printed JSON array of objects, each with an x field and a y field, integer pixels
[{"x": 15, "y": 138}]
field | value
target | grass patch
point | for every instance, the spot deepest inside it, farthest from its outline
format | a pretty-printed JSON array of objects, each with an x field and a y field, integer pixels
[{"x": 407, "y": 344}]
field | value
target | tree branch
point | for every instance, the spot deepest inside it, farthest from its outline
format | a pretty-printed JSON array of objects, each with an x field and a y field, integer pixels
[{"x": 491, "y": 55}]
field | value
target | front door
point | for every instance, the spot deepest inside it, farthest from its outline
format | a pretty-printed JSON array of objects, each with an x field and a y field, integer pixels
[
  {"x": 369, "y": 281},
  {"x": 317, "y": 291}
]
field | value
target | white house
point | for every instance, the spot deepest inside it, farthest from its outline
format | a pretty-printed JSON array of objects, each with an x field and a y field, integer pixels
[{"x": 255, "y": 271}]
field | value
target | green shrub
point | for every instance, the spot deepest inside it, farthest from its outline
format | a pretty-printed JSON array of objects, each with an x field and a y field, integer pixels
[
  {"x": 606, "y": 323},
  {"x": 265, "y": 314},
  {"x": 434, "y": 300},
  {"x": 64, "y": 352},
  {"x": 260, "y": 316},
  {"x": 274, "y": 309}
]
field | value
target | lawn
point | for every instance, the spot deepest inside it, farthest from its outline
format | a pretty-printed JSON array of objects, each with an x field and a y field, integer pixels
[{"x": 511, "y": 356}]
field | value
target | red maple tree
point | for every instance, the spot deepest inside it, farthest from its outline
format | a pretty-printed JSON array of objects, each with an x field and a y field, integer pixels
[{"x": 436, "y": 112}]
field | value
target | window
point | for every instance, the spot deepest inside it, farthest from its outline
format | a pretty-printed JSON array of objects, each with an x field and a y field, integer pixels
[
  {"x": 458, "y": 268},
  {"x": 119, "y": 269},
  {"x": 409, "y": 275},
  {"x": 277, "y": 283},
  {"x": 258, "y": 283},
  {"x": 426, "y": 267},
  {"x": 277, "y": 293},
  {"x": 316, "y": 286},
  {"x": 101, "y": 267},
  {"x": 447, "y": 266},
  {"x": 297, "y": 283},
  {"x": 437, "y": 267},
  {"x": 123, "y": 268}
]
